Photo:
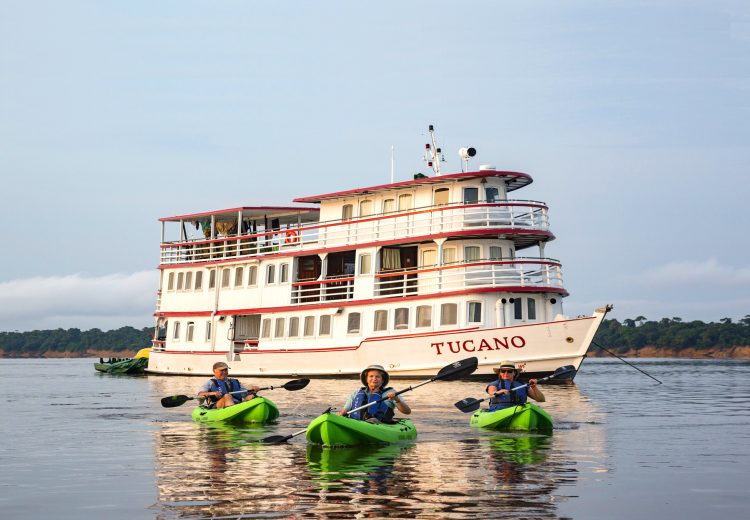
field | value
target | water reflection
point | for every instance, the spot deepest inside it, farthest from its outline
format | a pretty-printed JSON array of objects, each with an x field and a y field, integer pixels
[{"x": 452, "y": 470}]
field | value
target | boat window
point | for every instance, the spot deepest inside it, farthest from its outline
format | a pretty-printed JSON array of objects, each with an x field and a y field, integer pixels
[
  {"x": 365, "y": 263},
  {"x": 284, "y": 274},
  {"x": 531, "y": 308},
  {"x": 252, "y": 275},
  {"x": 517, "y": 309},
  {"x": 365, "y": 208},
  {"x": 309, "y": 326},
  {"x": 389, "y": 205},
  {"x": 176, "y": 331},
  {"x": 429, "y": 258},
  {"x": 212, "y": 278},
  {"x": 225, "y": 273},
  {"x": 208, "y": 331},
  {"x": 293, "y": 327},
  {"x": 404, "y": 201},
  {"x": 238, "y": 276},
  {"x": 401, "y": 318},
  {"x": 325, "y": 325},
  {"x": 270, "y": 274},
  {"x": 474, "y": 314},
  {"x": 424, "y": 316},
  {"x": 346, "y": 212},
  {"x": 496, "y": 253},
  {"x": 198, "y": 280},
  {"x": 472, "y": 253},
  {"x": 353, "y": 321},
  {"x": 441, "y": 197},
  {"x": 189, "y": 331},
  {"x": 471, "y": 195},
  {"x": 381, "y": 321},
  {"x": 279, "y": 330},
  {"x": 266, "y": 329},
  {"x": 449, "y": 255},
  {"x": 448, "y": 314},
  {"x": 180, "y": 280},
  {"x": 492, "y": 194},
  {"x": 170, "y": 282},
  {"x": 188, "y": 280}
]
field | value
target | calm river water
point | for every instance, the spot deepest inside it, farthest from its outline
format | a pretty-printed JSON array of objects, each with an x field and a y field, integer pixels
[{"x": 77, "y": 444}]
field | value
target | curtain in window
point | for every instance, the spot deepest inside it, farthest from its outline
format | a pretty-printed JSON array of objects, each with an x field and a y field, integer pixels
[{"x": 391, "y": 259}]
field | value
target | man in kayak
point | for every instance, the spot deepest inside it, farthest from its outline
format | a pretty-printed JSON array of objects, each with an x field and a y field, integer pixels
[
  {"x": 217, "y": 390},
  {"x": 375, "y": 379},
  {"x": 500, "y": 392}
]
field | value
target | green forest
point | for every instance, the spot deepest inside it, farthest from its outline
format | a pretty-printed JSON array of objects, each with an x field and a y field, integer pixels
[{"x": 626, "y": 336}]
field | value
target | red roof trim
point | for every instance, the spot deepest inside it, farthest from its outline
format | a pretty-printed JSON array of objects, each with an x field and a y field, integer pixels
[
  {"x": 425, "y": 180},
  {"x": 229, "y": 211}
]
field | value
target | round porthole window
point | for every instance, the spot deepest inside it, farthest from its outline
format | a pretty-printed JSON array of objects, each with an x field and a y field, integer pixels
[{"x": 569, "y": 339}]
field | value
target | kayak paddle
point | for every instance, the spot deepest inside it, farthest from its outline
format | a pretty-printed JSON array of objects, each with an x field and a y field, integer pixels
[
  {"x": 179, "y": 400},
  {"x": 470, "y": 404},
  {"x": 455, "y": 370}
]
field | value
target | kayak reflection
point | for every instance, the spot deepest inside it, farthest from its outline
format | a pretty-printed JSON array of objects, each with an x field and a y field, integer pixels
[{"x": 362, "y": 469}]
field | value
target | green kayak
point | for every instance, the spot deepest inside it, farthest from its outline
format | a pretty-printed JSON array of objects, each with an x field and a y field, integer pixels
[
  {"x": 331, "y": 429},
  {"x": 258, "y": 410},
  {"x": 522, "y": 417},
  {"x": 122, "y": 366}
]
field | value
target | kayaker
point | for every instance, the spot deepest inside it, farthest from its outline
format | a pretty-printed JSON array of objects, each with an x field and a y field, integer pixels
[
  {"x": 217, "y": 389},
  {"x": 375, "y": 379},
  {"x": 502, "y": 397}
]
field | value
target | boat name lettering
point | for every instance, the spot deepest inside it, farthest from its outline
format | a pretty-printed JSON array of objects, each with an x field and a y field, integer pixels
[{"x": 470, "y": 346}]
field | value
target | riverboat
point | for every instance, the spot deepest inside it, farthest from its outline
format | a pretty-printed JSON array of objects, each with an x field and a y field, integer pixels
[{"x": 411, "y": 275}]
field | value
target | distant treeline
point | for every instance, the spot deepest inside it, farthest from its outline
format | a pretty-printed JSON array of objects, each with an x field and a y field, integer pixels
[
  {"x": 673, "y": 334},
  {"x": 631, "y": 334},
  {"x": 36, "y": 343}
]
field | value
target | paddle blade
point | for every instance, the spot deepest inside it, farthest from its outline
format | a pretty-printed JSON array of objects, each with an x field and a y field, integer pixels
[
  {"x": 468, "y": 405},
  {"x": 562, "y": 372},
  {"x": 458, "y": 369},
  {"x": 175, "y": 400},
  {"x": 296, "y": 384},
  {"x": 276, "y": 439}
]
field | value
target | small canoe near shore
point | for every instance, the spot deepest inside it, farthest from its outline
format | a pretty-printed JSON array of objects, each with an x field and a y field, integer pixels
[
  {"x": 522, "y": 417},
  {"x": 331, "y": 429},
  {"x": 258, "y": 410}
]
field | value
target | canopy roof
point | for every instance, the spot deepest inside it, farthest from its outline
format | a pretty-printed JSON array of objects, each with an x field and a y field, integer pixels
[
  {"x": 514, "y": 180},
  {"x": 283, "y": 213}
]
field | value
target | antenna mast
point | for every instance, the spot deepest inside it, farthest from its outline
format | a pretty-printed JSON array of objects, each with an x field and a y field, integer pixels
[{"x": 433, "y": 155}]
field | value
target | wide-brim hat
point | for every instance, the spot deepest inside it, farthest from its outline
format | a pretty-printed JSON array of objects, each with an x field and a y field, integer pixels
[
  {"x": 363, "y": 375},
  {"x": 506, "y": 364}
]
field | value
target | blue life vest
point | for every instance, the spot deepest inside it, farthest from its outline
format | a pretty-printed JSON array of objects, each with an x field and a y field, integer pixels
[
  {"x": 500, "y": 402},
  {"x": 380, "y": 411},
  {"x": 224, "y": 386}
]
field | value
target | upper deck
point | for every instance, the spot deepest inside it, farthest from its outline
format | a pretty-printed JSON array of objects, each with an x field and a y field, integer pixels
[{"x": 472, "y": 204}]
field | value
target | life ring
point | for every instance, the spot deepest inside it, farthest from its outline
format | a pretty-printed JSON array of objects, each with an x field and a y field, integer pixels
[{"x": 291, "y": 236}]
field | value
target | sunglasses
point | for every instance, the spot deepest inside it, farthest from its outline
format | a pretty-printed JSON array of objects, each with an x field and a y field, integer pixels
[{"x": 506, "y": 371}]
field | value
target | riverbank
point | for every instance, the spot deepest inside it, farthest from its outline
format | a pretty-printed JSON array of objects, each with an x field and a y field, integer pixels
[{"x": 738, "y": 352}]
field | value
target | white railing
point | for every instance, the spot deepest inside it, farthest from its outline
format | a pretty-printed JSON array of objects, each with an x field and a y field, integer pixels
[
  {"x": 421, "y": 222},
  {"x": 536, "y": 273}
]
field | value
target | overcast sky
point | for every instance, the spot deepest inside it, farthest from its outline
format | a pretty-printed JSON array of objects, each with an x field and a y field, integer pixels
[{"x": 632, "y": 117}]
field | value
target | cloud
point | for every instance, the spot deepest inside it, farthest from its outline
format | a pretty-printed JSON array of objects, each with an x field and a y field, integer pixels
[
  {"x": 705, "y": 273},
  {"x": 105, "y": 302}
]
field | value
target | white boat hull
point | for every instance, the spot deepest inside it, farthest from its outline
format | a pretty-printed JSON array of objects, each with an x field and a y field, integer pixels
[{"x": 538, "y": 348}]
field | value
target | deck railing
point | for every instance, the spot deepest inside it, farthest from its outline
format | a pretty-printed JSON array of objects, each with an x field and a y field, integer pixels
[
  {"x": 420, "y": 222},
  {"x": 537, "y": 273}
]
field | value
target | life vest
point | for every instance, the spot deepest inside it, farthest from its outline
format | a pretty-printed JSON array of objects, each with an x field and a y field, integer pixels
[
  {"x": 380, "y": 411},
  {"x": 500, "y": 402},
  {"x": 224, "y": 386}
]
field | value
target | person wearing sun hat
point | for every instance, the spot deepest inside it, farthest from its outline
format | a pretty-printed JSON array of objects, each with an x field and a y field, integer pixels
[
  {"x": 375, "y": 380},
  {"x": 500, "y": 390},
  {"x": 218, "y": 390}
]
